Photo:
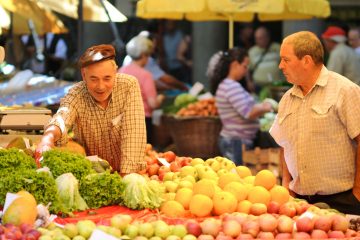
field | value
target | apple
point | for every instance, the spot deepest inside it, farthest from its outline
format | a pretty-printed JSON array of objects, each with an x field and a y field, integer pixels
[
  {"x": 336, "y": 234},
  {"x": 205, "y": 237},
  {"x": 189, "y": 237},
  {"x": 231, "y": 228},
  {"x": 175, "y": 166},
  {"x": 339, "y": 223},
  {"x": 120, "y": 221},
  {"x": 185, "y": 184},
  {"x": 258, "y": 208},
  {"x": 172, "y": 237},
  {"x": 150, "y": 160},
  {"x": 267, "y": 223},
  {"x": 273, "y": 207},
  {"x": 186, "y": 161},
  {"x": 323, "y": 223},
  {"x": 131, "y": 231},
  {"x": 47, "y": 237},
  {"x": 265, "y": 235},
  {"x": 168, "y": 176},
  {"x": 162, "y": 229},
  {"x": 301, "y": 235},
  {"x": 70, "y": 230},
  {"x": 179, "y": 230},
  {"x": 222, "y": 172},
  {"x": 196, "y": 161},
  {"x": 210, "y": 226},
  {"x": 285, "y": 224},
  {"x": 304, "y": 224},
  {"x": 318, "y": 234},
  {"x": 193, "y": 227},
  {"x": 244, "y": 236},
  {"x": 146, "y": 229},
  {"x": 169, "y": 156},
  {"x": 153, "y": 169},
  {"x": 301, "y": 207},
  {"x": 283, "y": 236},
  {"x": 171, "y": 186},
  {"x": 85, "y": 227},
  {"x": 162, "y": 171},
  {"x": 114, "y": 232},
  {"x": 287, "y": 209},
  {"x": 188, "y": 171},
  {"x": 240, "y": 217},
  {"x": 350, "y": 233},
  {"x": 251, "y": 227}
]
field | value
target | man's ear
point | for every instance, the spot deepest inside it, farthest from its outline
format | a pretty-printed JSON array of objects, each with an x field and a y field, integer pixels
[
  {"x": 308, "y": 60},
  {"x": 82, "y": 71}
]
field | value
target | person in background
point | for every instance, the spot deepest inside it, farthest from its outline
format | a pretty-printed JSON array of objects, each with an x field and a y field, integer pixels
[
  {"x": 237, "y": 109},
  {"x": 354, "y": 39},
  {"x": 264, "y": 59},
  {"x": 139, "y": 49},
  {"x": 105, "y": 112},
  {"x": 54, "y": 48},
  {"x": 163, "y": 81},
  {"x": 246, "y": 36},
  {"x": 342, "y": 58},
  {"x": 184, "y": 55},
  {"x": 317, "y": 126}
]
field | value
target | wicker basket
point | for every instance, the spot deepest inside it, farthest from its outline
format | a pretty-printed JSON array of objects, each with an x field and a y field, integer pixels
[{"x": 195, "y": 136}]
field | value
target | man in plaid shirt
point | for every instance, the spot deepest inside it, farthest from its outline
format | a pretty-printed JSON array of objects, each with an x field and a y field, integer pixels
[{"x": 105, "y": 112}]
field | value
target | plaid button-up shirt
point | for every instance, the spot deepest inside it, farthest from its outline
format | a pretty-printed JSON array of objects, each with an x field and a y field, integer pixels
[
  {"x": 116, "y": 134},
  {"x": 317, "y": 133}
]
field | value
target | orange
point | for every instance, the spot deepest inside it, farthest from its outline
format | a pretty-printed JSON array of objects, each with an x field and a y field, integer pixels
[
  {"x": 239, "y": 190},
  {"x": 201, "y": 205},
  {"x": 183, "y": 196},
  {"x": 259, "y": 194},
  {"x": 228, "y": 178},
  {"x": 172, "y": 208},
  {"x": 243, "y": 171},
  {"x": 265, "y": 178},
  {"x": 204, "y": 186},
  {"x": 224, "y": 202},
  {"x": 244, "y": 206},
  {"x": 279, "y": 194}
]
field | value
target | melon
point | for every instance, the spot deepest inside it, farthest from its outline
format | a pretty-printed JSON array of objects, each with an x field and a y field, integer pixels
[
  {"x": 73, "y": 147},
  {"x": 22, "y": 210}
]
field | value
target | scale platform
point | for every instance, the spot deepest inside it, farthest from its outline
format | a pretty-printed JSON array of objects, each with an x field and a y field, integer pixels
[{"x": 24, "y": 118}]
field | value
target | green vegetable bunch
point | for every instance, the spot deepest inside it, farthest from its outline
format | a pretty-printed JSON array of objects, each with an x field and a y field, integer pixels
[
  {"x": 181, "y": 101},
  {"x": 60, "y": 162},
  {"x": 141, "y": 193},
  {"x": 40, "y": 184},
  {"x": 14, "y": 158},
  {"x": 101, "y": 189}
]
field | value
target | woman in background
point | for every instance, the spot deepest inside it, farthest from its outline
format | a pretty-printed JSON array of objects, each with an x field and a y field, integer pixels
[{"x": 238, "y": 110}]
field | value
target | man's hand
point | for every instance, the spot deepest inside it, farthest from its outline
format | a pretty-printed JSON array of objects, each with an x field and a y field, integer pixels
[{"x": 43, "y": 146}]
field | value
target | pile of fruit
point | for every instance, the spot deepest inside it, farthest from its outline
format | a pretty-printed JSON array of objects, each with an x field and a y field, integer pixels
[{"x": 202, "y": 108}]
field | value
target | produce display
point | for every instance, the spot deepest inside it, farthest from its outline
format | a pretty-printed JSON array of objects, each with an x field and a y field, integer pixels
[
  {"x": 201, "y": 108},
  {"x": 179, "y": 198}
]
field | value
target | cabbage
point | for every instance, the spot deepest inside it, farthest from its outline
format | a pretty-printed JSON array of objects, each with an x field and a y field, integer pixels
[
  {"x": 183, "y": 99},
  {"x": 141, "y": 193},
  {"x": 68, "y": 191}
]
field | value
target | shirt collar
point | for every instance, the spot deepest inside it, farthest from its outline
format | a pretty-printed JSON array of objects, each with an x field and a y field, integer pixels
[{"x": 321, "y": 81}]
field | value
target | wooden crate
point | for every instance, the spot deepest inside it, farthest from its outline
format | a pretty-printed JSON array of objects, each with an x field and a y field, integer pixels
[{"x": 259, "y": 159}]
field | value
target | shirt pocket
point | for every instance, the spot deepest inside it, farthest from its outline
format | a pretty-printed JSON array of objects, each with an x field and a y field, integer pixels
[{"x": 321, "y": 117}]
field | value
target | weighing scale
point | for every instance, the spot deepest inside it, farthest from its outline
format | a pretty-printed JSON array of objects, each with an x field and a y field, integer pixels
[{"x": 24, "y": 118}]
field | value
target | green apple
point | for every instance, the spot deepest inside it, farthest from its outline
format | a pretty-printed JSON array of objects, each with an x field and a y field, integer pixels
[
  {"x": 209, "y": 161},
  {"x": 45, "y": 237},
  {"x": 179, "y": 230},
  {"x": 120, "y": 221},
  {"x": 186, "y": 184},
  {"x": 215, "y": 165},
  {"x": 172, "y": 237},
  {"x": 189, "y": 237},
  {"x": 79, "y": 237},
  {"x": 155, "y": 238},
  {"x": 140, "y": 238},
  {"x": 210, "y": 174},
  {"x": 188, "y": 170},
  {"x": 85, "y": 227},
  {"x": 103, "y": 228},
  {"x": 203, "y": 169},
  {"x": 171, "y": 186},
  {"x": 168, "y": 176},
  {"x": 146, "y": 230},
  {"x": 169, "y": 196},
  {"x": 189, "y": 178},
  {"x": 114, "y": 232},
  {"x": 61, "y": 237},
  {"x": 162, "y": 230},
  {"x": 222, "y": 172},
  {"x": 131, "y": 231},
  {"x": 196, "y": 161},
  {"x": 70, "y": 230}
]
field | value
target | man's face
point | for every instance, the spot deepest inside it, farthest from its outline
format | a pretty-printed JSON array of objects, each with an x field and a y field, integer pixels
[
  {"x": 290, "y": 65},
  {"x": 262, "y": 38},
  {"x": 99, "y": 79},
  {"x": 354, "y": 38}
]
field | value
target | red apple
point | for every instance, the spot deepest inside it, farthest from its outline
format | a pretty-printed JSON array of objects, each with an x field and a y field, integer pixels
[
  {"x": 285, "y": 224},
  {"x": 162, "y": 171},
  {"x": 222, "y": 236},
  {"x": 153, "y": 169},
  {"x": 231, "y": 228},
  {"x": 205, "y": 237},
  {"x": 350, "y": 233},
  {"x": 150, "y": 160},
  {"x": 211, "y": 226},
  {"x": 186, "y": 161},
  {"x": 265, "y": 235},
  {"x": 193, "y": 227},
  {"x": 301, "y": 207},
  {"x": 251, "y": 227},
  {"x": 169, "y": 156},
  {"x": 287, "y": 209},
  {"x": 318, "y": 234},
  {"x": 304, "y": 224},
  {"x": 339, "y": 223},
  {"x": 323, "y": 223},
  {"x": 301, "y": 235},
  {"x": 336, "y": 234},
  {"x": 244, "y": 236},
  {"x": 240, "y": 217},
  {"x": 273, "y": 207},
  {"x": 175, "y": 166},
  {"x": 267, "y": 223},
  {"x": 283, "y": 236}
]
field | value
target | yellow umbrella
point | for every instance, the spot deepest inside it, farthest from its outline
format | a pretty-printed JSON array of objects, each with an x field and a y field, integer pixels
[
  {"x": 23, "y": 10},
  {"x": 230, "y": 10},
  {"x": 92, "y": 10}
]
